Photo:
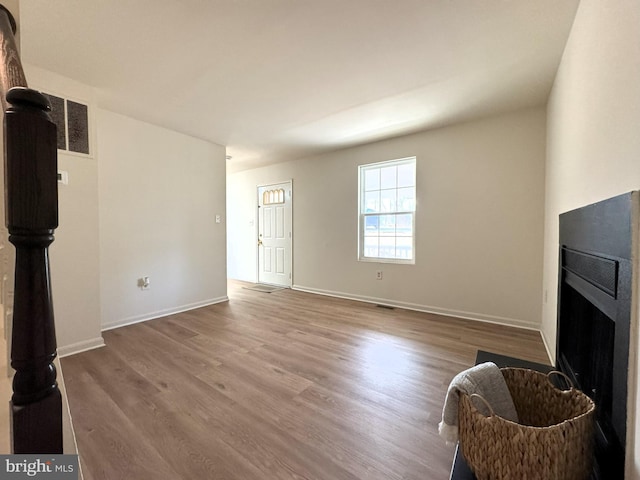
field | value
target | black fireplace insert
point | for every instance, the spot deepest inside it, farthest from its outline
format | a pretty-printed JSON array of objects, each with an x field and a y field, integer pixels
[{"x": 594, "y": 317}]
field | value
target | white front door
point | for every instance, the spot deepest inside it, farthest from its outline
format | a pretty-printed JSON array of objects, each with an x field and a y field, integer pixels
[{"x": 274, "y": 234}]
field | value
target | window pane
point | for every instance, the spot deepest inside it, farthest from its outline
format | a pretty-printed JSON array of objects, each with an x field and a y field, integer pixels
[
  {"x": 387, "y": 225},
  {"x": 388, "y": 177},
  {"x": 404, "y": 248},
  {"x": 371, "y": 202},
  {"x": 371, "y": 223},
  {"x": 370, "y": 246},
  {"x": 387, "y": 248},
  {"x": 406, "y": 199},
  {"x": 407, "y": 175},
  {"x": 404, "y": 225},
  {"x": 372, "y": 179},
  {"x": 388, "y": 200}
]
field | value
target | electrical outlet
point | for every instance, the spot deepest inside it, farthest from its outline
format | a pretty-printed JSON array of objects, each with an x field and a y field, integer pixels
[
  {"x": 144, "y": 283},
  {"x": 379, "y": 275}
]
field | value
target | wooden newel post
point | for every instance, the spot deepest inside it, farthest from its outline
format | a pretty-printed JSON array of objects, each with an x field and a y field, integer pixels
[
  {"x": 32, "y": 215},
  {"x": 31, "y": 201}
]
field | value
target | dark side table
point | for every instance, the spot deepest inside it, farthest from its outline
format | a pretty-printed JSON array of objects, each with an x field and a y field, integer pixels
[{"x": 460, "y": 469}]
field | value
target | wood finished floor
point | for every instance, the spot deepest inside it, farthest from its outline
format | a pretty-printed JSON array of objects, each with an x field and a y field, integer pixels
[{"x": 286, "y": 385}]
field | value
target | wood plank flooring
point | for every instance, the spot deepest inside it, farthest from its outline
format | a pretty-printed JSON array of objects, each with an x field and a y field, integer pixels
[{"x": 283, "y": 385}]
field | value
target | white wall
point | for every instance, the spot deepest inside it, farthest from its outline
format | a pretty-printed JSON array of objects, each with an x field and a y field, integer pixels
[
  {"x": 74, "y": 253},
  {"x": 159, "y": 194},
  {"x": 479, "y": 221},
  {"x": 143, "y": 203},
  {"x": 593, "y": 147}
]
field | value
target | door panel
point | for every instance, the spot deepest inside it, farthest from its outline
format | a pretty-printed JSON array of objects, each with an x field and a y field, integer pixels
[
  {"x": 280, "y": 224},
  {"x": 267, "y": 223},
  {"x": 267, "y": 260},
  {"x": 280, "y": 263},
  {"x": 275, "y": 234}
]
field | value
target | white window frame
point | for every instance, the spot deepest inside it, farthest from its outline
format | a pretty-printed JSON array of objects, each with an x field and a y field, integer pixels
[{"x": 363, "y": 215}]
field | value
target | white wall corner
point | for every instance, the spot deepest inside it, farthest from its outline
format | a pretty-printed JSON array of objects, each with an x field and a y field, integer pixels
[{"x": 80, "y": 347}]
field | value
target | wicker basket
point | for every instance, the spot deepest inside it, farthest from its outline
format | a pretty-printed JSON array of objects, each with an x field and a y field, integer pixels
[{"x": 554, "y": 439}]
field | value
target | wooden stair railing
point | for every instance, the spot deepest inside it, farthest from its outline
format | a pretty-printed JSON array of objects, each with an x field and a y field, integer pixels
[{"x": 31, "y": 208}]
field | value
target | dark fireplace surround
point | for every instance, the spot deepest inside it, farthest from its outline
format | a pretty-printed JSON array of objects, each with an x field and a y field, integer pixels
[{"x": 596, "y": 281}]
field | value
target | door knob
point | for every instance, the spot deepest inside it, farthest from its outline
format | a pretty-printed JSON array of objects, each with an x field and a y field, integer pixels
[{"x": 259, "y": 243}]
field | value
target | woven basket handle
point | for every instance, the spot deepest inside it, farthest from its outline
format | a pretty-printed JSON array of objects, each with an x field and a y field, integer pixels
[
  {"x": 563, "y": 375},
  {"x": 486, "y": 404}
]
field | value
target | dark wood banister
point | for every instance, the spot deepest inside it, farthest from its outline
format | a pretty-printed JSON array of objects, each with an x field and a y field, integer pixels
[{"x": 31, "y": 208}]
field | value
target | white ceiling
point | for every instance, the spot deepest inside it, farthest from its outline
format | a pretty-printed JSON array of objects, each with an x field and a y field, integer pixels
[{"x": 275, "y": 80}]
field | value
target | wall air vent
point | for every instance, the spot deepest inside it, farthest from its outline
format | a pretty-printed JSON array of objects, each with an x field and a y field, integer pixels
[{"x": 72, "y": 120}]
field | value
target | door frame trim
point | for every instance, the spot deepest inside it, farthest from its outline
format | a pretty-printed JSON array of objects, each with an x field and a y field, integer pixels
[{"x": 257, "y": 228}]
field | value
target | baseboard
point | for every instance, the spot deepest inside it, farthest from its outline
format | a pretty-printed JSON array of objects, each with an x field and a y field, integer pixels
[
  {"x": 80, "y": 347},
  {"x": 550, "y": 354},
  {"x": 161, "y": 313},
  {"x": 511, "y": 322}
]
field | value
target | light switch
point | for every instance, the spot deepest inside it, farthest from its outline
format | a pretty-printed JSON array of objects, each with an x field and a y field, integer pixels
[
  {"x": 63, "y": 177},
  {"x": 218, "y": 219}
]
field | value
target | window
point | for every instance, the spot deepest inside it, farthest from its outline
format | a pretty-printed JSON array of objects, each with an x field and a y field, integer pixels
[
  {"x": 270, "y": 197},
  {"x": 387, "y": 211}
]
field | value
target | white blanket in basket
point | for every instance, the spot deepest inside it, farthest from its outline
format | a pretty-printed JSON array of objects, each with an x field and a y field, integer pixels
[{"x": 484, "y": 379}]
